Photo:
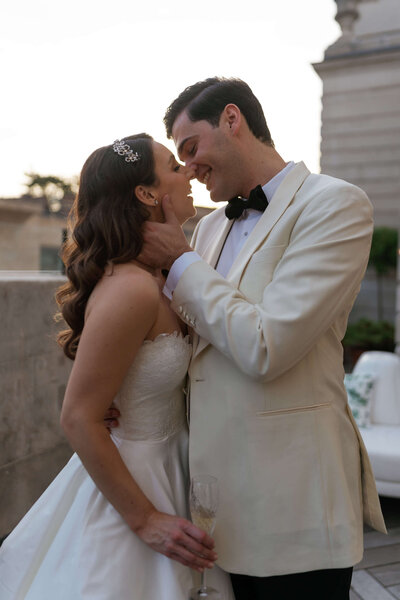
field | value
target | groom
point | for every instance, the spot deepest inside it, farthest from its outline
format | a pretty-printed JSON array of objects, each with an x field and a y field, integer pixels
[{"x": 267, "y": 293}]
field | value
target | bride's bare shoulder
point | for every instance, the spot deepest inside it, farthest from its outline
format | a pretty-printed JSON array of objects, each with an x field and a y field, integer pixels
[{"x": 123, "y": 284}]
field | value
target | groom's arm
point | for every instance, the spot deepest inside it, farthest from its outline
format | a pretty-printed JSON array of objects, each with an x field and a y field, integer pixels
[{"x": 316, "y": 280}]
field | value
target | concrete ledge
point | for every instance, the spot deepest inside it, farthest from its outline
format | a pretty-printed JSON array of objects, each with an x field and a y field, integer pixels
[{"x": 33, "y": 377}]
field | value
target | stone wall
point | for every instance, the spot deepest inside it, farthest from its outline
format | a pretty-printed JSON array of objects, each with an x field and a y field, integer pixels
[{"x": 33, "y": 376}]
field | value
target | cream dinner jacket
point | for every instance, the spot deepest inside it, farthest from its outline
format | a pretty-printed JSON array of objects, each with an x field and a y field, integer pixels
[{"x": 268, "y": 409}]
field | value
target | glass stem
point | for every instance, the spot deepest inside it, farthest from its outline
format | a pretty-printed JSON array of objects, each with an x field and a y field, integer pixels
[{"x": 203, "y": 583}]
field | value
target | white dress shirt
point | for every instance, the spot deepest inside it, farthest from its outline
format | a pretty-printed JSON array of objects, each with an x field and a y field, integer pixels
[{"x": 236, "y": 238}]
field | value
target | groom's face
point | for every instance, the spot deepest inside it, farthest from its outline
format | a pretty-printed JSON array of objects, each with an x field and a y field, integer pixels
[{"x": 209, "y": 151}]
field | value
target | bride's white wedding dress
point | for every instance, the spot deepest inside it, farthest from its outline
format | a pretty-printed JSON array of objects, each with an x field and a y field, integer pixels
[{"x": 72, "y": 544}]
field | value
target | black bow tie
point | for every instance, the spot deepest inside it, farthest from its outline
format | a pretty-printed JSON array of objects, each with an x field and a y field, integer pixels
[{"x": 236, "y": 206}]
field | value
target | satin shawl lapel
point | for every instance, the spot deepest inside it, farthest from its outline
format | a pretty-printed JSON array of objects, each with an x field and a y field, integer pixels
[
  {"x": 213, "y": 250},
  {"x": 281, "y": 200},
  {"x": 211, "y": 254}
]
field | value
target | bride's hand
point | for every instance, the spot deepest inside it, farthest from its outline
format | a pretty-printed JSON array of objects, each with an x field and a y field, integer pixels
[{"x": 178, "y": 539}]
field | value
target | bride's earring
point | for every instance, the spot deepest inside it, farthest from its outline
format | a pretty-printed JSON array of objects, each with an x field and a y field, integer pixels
[{"x": 155, "y": 202}]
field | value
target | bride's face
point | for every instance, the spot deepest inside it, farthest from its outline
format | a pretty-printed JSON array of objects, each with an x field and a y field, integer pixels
[{"x": 174, "y": 180}]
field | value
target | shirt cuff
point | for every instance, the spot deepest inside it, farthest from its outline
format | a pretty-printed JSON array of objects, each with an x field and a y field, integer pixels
[{"x": 178, "y": 267}]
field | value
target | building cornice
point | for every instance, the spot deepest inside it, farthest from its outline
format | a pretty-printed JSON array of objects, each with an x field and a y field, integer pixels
[
  {"x": 14, "y": 209},
  {"x": 354, "y": 59}
]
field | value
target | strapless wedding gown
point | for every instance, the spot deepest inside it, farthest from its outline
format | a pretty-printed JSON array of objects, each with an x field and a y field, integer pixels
[{"x": 72, "y": 544}]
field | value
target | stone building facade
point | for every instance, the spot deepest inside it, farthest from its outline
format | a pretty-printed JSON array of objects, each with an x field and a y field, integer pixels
[
  {"x": 30, "y": 236},
  {"x": 361, "y": 103},
  {"x": 360, "y": 132}
]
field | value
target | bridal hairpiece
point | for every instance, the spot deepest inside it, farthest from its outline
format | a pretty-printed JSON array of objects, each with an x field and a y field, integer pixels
[{"x": 123, "y": 149}]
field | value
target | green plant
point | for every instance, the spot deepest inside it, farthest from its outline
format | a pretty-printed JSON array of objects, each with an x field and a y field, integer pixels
[
  {"x": 370, "y": 335},
  {"x": 382, "y": 259},
  {"x": 51, "y": 189}
]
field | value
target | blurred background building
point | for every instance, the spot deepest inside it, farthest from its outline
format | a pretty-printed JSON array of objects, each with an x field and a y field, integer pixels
[
  {"x": 360, "y": 138},
  {"x": 361, "y": 103},
  {"x": 33, "y": 228},
  {"x": 30, "y": 235}
]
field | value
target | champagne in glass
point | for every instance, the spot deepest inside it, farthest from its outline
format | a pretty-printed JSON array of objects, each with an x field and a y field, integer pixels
[
  {"x": 203, "y": 502},
  {"x": 203, "y": 519}
]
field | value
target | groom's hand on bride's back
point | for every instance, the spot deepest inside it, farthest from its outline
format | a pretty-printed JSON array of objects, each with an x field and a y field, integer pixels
[
  {"x": 111, "y": 417},
  {"x": 178, "y": 539}
]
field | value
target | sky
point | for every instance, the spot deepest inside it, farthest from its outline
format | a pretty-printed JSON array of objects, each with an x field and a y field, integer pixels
[{"x": 77, "y": 75}]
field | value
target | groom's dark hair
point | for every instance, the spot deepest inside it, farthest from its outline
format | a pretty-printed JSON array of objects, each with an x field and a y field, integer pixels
[{"x": 205, "y": 100}]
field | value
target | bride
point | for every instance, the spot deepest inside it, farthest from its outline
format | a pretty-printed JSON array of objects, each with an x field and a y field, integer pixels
[{"x": 113, "y": 524}]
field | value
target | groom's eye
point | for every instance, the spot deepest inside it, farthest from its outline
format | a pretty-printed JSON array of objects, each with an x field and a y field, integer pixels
[{"x": 177, "y": 167}]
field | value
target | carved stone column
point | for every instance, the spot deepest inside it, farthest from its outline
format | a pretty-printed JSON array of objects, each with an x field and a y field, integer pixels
[{"x": 346, "y": 15}]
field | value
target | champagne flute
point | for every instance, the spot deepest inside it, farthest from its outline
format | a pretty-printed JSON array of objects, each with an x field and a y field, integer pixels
[{"x": 203, "y": 501}]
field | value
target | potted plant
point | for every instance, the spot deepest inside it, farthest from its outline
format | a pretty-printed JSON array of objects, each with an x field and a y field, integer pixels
[
  {"x": 365, "y": 335},
  {"x": 383, "y": 259}
]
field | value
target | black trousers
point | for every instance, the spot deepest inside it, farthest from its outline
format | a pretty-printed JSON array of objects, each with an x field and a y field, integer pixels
[{"x": 329, "y": 584}]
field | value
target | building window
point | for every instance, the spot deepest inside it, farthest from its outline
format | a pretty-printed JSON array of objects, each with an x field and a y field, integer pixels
[{"x": 50, "y": 259}]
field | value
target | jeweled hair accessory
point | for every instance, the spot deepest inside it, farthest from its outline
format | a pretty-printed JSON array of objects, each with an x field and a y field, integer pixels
[{"x": 123, "y": 149}]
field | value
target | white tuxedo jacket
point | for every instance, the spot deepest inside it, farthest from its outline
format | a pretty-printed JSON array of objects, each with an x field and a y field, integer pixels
[{"x": 268, "y": 409}]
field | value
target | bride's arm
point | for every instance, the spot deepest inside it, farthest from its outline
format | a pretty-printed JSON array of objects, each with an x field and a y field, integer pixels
[{"x": 114, "y": 330}]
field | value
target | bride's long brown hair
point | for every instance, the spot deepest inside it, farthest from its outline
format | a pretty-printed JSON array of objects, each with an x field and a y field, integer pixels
[{"x": 105, "y": 225}]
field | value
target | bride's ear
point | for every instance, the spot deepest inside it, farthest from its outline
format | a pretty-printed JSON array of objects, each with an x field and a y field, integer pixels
[{"x": 146, "y": 195}]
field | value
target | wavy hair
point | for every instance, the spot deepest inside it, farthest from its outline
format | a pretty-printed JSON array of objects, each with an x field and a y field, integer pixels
[{"x": 105, "y": 226}]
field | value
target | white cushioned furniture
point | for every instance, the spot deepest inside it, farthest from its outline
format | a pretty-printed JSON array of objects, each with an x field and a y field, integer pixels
[{"x": 382, "y": 435}]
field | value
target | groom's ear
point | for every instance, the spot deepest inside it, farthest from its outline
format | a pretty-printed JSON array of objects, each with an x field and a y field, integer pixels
[
  {"x": 146, "y": 195},
  {"x": 231, "y": 118}
]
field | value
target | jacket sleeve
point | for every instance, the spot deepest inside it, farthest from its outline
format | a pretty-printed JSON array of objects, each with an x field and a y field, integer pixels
[{"x": 315, "y": 282}]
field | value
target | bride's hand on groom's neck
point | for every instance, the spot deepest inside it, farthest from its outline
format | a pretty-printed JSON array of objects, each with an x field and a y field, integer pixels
[{"x": 163, "y": 242}]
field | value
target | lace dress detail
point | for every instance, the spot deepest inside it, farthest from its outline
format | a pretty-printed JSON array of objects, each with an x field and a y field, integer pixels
[{"x": 151, "y": 399}]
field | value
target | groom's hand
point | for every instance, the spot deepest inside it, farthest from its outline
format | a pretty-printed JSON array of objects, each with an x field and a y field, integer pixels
[
  {"x": 163, "y": 242},
  {"x": 111, "y": 417},
  {"x": 178, "y": 539}
]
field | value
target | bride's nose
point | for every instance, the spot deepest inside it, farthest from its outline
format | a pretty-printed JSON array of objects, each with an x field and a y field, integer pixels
[{"x": 190, "y": 173}]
